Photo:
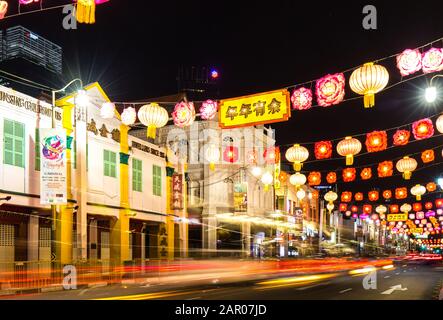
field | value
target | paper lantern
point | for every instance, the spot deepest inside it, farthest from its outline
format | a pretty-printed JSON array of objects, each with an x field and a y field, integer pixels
[
  {"x": 297, "y": 179},
  {"x": 376, "y": 141},
  {"x": 323, "y": 150},
  {"x": 387, "y": 194},
  {"x": 428, "y": 156},
  {"x": 314, "y": 178},
  {"x": 3, "y": 9},
  {"x": 267, "y": 180},
  {"x": 439, "y": 203},
  {"x": 230, "y": 154},
  {"x": 212, "y": 155},
  {"x": 129, "y": 116},
  {"x": 429, "y": 214},
  {"x": 184, "y": 114},
  {"x": 367, "y": 209},
  {"x": 297, "y": 154},
  {"x": 432, "y": 60},
  {"x": 349, "y": 174},
  {"x": 406, "y": 208},
  {"x": 417, "y": 207},
  {"x": 354, "y": 209},
  {"x": 431, "y": 187},
  {"x": 330, "y": 207},
  {"x": 439, "y": 124},
  {"x": 385, "y": 169},
  {"x": 85, "y": 11},
  {"x": 208, "y": 110},
  {"x": 373, "y": 196},
  {"x": 359, "y": 196},
  {"x": 409, "y": 62},
  {"x": 394, "y": 208},
  {"x": 381, "y": 209},
  {"x": 272, "y": 155},
  {"x": 417, "y": 191},
  {"x": 374, "y": 217},
  {"x": 348, "y": 148},
  {"x": 428, "y": 205},
  {"x": 401, "y": 137},
  {"x": 423, "y": 129},
  {"x": 346, "y": 196},
  {"x": 107, "y": 111},
  {"x": 366, "y": 174},
  {"x": 406, "y": 166},
  {"x": 331, "y": 196},
  {"x": 153, "y": 116},
  {"x": 420, "y": 215},
  {"x": 331, "y": 177},
  {"x": 368, "y": 80},
  {"x": 256, "y": 171},
  {"x": 330, "y": 89},
  {"x": 401, "y": 193},
  {"x": 343, "y": 207},
  {"x": 301, "y": 99},
  {"x": 301, "y": 194}
]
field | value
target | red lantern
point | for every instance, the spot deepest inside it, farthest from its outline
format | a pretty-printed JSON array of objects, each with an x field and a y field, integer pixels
[
  {"x": 373, "y": 195},
  {"x": 401, "y": 137},
  {"x": 323, "y": 150},
  {"x": 427, "y": 156},
  {"x": 366, "y": 174},
  {"x": 385, "y": 169},
  {"x": 439, "y": 203},
  {"x": 367, "y": 209},
  {"x": 346, "y": 196},
  {"x": 349, "y": 174},
  {"x": 314, "y": 178},
  {"x": 343, "y": 207},
  {"x": 394, "y": 208},
  {"x": 331, "y": 177},
  {"x": 428, "y": 205},
  {"x": 359, "y": 196},
  {"x": 272, "y": 155},
  {"x": 431, "y": 187},
  {"x": 387, "y": 194},
  {"x": 354, "y": 209},
  {"x": 417, "y": 207},
  {"x": 230, "y": 154},
  {"x": 376, "y": 141},
  {"x": 401, "y": 193},
  {"x": 423, "y": 129}
]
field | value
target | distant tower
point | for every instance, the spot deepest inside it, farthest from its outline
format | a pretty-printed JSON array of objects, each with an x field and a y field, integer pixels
[{"x": 199, "y": 83}]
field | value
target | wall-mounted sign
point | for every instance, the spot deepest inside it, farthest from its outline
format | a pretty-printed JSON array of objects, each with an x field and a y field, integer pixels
[
  {"x": 177, "y": 192},
  {"x": 240, "y": 197},
  {"x": 397, "y": 217},
  {"x": 53, "y": 167},
  {"x": 268, "y": 107}
]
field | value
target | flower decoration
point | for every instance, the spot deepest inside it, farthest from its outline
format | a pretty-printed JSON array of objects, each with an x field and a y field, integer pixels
[
  {"x": 330, "y": 89},
  {"x": 394, "y": 208},
  {"x": 358, "y": 196},
  {"x": 428, "y": 205},
  {"x": 323, "y": 150},
  {"x": 423, "y": 129},
  {"x": 331, "y": 177},
  {"x": 346, "y": 196},
  {"x": 401, "y": 193},
  {"x": 349, "y": 174},
  {"x": 184, "y": 114},
  {"x": 385, "y": 169},
  {"x": 409, "y": 62},
  {"x": 343, "y": 207},
  {"x": 272, "y": 155},
  {"x": 417, "y": 207},
  {"x": 301, "y": 99},
  {"x": 3, "y": 9},
  {"x": 428, "y": 156},
  {"x": 366, "y": 173},
  {"x": 354, "y": 209},
  {"x": 376, "y": 141},
  {"x": 439, "y": 203},
  {"x": 208, "y": 110},
  {"x": 230, "y": 154},
  {"x": 387, "y": 194},
  {"x": 431, "y": 186},
  {"x": 432, "y": 60},
  {"x": 314, "y": 178},
  {"x": 367, "y": 209},
  {"x": 373, "y": 195},
  {"x": 401, "y": 137}
]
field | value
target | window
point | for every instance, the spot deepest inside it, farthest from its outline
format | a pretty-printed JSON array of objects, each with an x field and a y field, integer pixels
[
  {"x": 14, "y": 140},
  {"x": 136, "y": 175},
  {"x": 74, "y": 154},
  {"x": 110, "y": 163},
  {"x": 157, "y": 181},
  {"x": 37, "y": 149}
]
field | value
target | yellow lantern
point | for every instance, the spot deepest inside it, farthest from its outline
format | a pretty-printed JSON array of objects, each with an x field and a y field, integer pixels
[
  {"x": 301, "y": 194},
  {"x": 267, "y": 180},
  {"x": 213, "y": 156},
  {"x": 86, "y": 11},
  {"x": 298, "y": 179},
  {"x": 331, "y": 196},
  {"x": 406, "y": 208},
  {"x": 153, "y": 116},
  {"x": 348, "y": 148},
  {"x": 418, "y": 190},
  {"x": 368, "y": 80},
  {"x": 297, "y": 154},
  {"x": 406, "y": 166}
]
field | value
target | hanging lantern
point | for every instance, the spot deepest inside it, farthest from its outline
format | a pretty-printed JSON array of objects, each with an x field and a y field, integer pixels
[
  {"x": 153, "y": 116},
  {"x": 323, "y": 150},
  {"x": 374, "y": 217},
  {"x": 381, "y": 209},
  {"x": 85, "y": 11},
  {"x": 346, "y": 196},
  {"x": 298, "y": 179},
  {"x": 387, "y": 194},
  {"x": 331, "y": 177},
  {"x": 394, "y": 208},
  {"x": 129, "y": 116},
  {"x": 428, "y": 156},
  {"x": 330, "y": 89},
  {"x": 429, "y": 214},
  {"x": 331, "y": 196},
  {"x": 367, "y": 209},
  {"x": 439, "y": 203},
  {"x": 369, "y": 80},
  {"x": 439, "y": 124},
  {"x": 297, "y": 154},
  {"x": 376, "y": 141},
  {"x": 406, "y": 166},
  {"x": 401, "y": 137},
  {"x": 348, "y": 148},
  {"x": 431, "y": 187},
  {"x": 366, "y": 173},
  {"x": 330, "y": 207},
  {"x": 301, "y": 99},
  {"x": 401, "y": 193},
  {"x": 409, "y": 62},
  {"x": 423, "y": 129},
  {"x": 230, "y": 154},
  {"x": 212, "y": 155},
  {"x": 373, "y": 196},
  {"x": 184, "y": 114},
  {"x": 272, "y": 155},
  {"x": 417, "y": 207},
  {"x": 343, "y": 207},
  {"x": 385, "y": 169},
  {"x": 432, "y": 60},
  {"x": 208, "y": 110},
  {"x": 256, "y": 171},
  {"x": 417, "y": 191},
  {"x": 354, "y": 209},
  {"x": 3, "y": 9},
  {"x": 267, "y": 180},
  {"x": 314, "y": 178},
  {"x": 406, "y": 208},
  {"x": 428, "y": 205},
  {"x": 301, "y": 194},
  {"x": 359, "y": 196},
  {"x": 107, "y": 111},
  {"x": 349, "y": 174}
]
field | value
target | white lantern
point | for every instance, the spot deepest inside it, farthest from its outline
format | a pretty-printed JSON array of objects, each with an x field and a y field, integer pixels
[
  {"x": 297, "y": 179},
  {"x": 256, "y": 171},
  {"x": 301, "y": 194},
  {"x": 418, "y": 190},
  {"x": 439, "y": 124},
  {"x": 129, "y": 116},
  {"x": 331, "y": 196},
  {"x": 107, "y": 110},
  {"x": 381, "y": 209},
  {"x": 330, "y": 207},
  {"x": 153, "y": 116},
  {"x": 267, "y": 180},
  {"x": 406, "y": 208},
  {"x": 212, "y": 155}
]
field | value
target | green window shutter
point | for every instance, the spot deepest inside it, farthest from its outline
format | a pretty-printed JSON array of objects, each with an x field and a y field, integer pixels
[
  {"x": 14, "y": 143},
  {"x": 110, "y": 164},
  {"x": 157, "y": 180},
  {"x": 106, "y": 163},
  {"x": 37, "y": 149},
  {"x": 137, "y": 175}
]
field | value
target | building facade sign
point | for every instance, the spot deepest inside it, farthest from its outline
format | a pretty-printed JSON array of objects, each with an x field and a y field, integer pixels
[
  {"x": 177, "y": 192},
  {"x": 397, "y": 217}
]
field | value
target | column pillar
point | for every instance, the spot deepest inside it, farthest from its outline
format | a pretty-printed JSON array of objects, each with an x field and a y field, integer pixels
[
  {"x": 170, "y": 213},
  {"x": 33, "y": 238}
]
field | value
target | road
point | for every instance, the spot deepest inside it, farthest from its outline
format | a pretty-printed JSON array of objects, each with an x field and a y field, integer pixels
[{"x": 401, "y": 282}]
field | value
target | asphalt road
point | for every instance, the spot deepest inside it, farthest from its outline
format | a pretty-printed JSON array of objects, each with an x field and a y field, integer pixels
[{"x": 404, "y": 282}]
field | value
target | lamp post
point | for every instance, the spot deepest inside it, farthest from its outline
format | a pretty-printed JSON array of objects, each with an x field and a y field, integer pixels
[{"x": 431, "y": 92}]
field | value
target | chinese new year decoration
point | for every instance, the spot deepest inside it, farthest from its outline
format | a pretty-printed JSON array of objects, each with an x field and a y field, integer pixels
[
  {"x": 387, "y": 194},
  {"x": 323, "y": 150},
  {"x": 385, "y": 169},
  {"x": 314, "y": 178},
  {"x": 331, "y": 177},
  {"x": 366, "y": 173},
  {"x": 406, "y": 166},
  {"x": 373, "y": 196},
  {"x": 432, "y": 60},
  {"x": 401, "y": 193},
  {"x": 301, "y": 99},
  {"x": 409, "y": 62},
  {"x": 349, "y": 174},
  {"x": 401, "y": 137},
  {"x": 427, "y": 156},
  {"x": 349, "y": 147},
  {"x": 423, "y": 129},
  {"x": 330, "y": 89},
  {"x": 376, "y": 141},
  {"x": 359, "y": 196},
  {"x": 346, "y": 196}
]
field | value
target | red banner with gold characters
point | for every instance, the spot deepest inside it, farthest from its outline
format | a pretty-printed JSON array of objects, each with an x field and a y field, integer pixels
[{"x": 177, "y": 192}]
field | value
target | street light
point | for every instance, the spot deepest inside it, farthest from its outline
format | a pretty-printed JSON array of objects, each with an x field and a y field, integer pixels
[{"x": 431, "y": 92}]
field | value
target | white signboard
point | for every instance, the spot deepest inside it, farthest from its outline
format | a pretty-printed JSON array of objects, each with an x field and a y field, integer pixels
[{"x": 53, "y": 189}]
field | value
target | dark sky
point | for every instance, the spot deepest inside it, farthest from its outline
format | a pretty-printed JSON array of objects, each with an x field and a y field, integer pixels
[{"x": 135, "y": 48}]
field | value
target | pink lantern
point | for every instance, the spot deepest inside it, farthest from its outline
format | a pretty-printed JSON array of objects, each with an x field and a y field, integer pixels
[
  {"x": 252, "y": 157},
  {"x": 28, "y": 1},
  {"x": 409, "y": 62},
  {"x": 208, "y": 110},
  {"x": 330, "y": 89},
  {"x": 433, "y": 60},
  {"x": 430, "y": 213},
  {"x": 184, "y": 114},
  {"x": 301, "y": 99},
  {"x": 3, "y": 9},
  {"x": 423, "y": 129}
]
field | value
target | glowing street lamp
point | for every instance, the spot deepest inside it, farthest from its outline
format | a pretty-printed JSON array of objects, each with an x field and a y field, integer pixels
[{"x": 431, "y": 93}]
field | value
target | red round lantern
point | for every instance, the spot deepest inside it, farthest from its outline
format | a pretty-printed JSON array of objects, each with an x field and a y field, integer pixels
[
  {"x": 343, "y": 207},
  {"x": 346, "y": 196},
  {"x": 354, "y": 209},
  {"x": 431, "y": 187},
  {"x": 323, "y": 150},
  {"x": 349, "y": 174},
  {"x": 373, "y": 195},
  {"x": 417, "y": 207},
  {"x": 428, "y": 205},
  {"x": 367, "y": 209},
  {"x": 314, "y": 178},
  {"x": 401, "y": 137},
  {"x": 387, "y": 194},
  {"x": 439, "y": 203},
  {"x": 423, "y": 129},
  {"x": 366, "y": 174},
  {"x": 272, "y": 155},
  {"x": 385, "y": 169},
  {"x": 376, "y": 141},
  {"x": 394, "y": 208},
  {"x": 427, "y": 156},
  {"x": 359, "y": 196},
  {"x": 331, "y": 177},
  {"x": 401, "y": 193},
  {"x": 230, "y": 154}
]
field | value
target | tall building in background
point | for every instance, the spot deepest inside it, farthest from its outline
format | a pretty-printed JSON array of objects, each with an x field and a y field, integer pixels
[{"x": 199, "y": 83}]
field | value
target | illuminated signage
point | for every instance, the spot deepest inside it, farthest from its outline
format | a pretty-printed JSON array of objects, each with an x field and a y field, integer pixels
[{"x": 397, "y": 217}]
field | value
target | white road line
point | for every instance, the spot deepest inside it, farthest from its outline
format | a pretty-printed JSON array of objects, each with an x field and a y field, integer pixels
[
  {"x": 397, "y": 273},
  {"x": 386, "y": 277},
  {"x": 346, "y": 290}
]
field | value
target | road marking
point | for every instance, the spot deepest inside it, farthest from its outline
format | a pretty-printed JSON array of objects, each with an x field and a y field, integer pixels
[
  {"x": 394, "y": 288},
  {"x": 310, "y": 287},
  {"x": 397, "y": 273},
  {"x": 404, "y": 270},
  {"x": 346, "y": 290},
  {"x": 387, "y": 277}
]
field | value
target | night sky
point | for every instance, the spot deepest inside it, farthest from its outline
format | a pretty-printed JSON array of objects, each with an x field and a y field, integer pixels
[{"x": 135, "y": 48}]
